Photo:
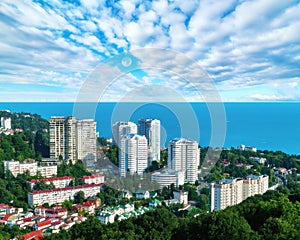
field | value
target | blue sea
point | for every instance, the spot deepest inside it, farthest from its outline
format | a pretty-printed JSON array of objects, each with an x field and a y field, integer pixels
[{"x": 270, "y": 126}]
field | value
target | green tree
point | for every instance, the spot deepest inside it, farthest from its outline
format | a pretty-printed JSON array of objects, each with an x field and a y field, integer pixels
[{"x": 79, "y": 197}]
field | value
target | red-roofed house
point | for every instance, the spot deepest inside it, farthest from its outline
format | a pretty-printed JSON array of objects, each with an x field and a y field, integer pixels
[
  {"x": 43, "y": 225},
  {"x": 40, "y": 210},
  {"x": 94, "y": 179},
  {"x": 35, "y": 235},
  {"x": 5, "y": 218},
  {"x": 89, "y": 207}
]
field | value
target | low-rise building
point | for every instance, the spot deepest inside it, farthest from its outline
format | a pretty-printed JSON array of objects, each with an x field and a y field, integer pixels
[
  {"x": 59, "y": 195},
  {"x": 243, "y": 147},
  {"x": 167, "y": 177},
  {"x": 259, "y": 160},
  {"x": 142, "y": 194},
  {"x": 30, "y": 166},
  {"x": 58, "y": 182},
  {"x": 181, "y": 196},
  {"x": 47, "y": 171},
  {"x": 94, "y": 179}
]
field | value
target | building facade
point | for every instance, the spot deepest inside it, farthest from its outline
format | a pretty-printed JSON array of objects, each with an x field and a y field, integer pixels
[
  {"x": 58, "y": 182},
  {"x": 229, "y": 192},
  {"x": 57, "y": 196},
  {"x": 72, "y": 139},
  {"x": 94, "y": 179},
  {"x": 16, "y": 167},
  {"x": 6, "y": 122},
  {"x": 150, "y": 128},
  {"x": 167, "y": 177},
  {"x": 133, "y": 155},
  {"x": 184, "y": 155},
  {"x": 120, "y": 129}
]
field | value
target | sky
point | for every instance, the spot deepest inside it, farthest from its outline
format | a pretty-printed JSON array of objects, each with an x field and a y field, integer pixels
[{"x": 244, "y": 50}]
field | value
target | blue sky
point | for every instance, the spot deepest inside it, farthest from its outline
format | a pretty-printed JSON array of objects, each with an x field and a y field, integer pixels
[{"x": 250, "y": 49}]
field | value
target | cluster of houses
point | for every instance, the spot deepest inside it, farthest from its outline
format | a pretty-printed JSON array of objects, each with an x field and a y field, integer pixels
[
  {"x": 44, "y": 220},
  {"x": 122, "y": 212}
]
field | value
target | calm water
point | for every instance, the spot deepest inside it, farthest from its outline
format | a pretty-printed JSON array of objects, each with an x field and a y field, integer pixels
[{"x": 272, "y": 126}]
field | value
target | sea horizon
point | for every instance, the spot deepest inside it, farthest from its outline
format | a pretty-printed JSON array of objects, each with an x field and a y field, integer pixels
[{"x": 264, "y": 125}]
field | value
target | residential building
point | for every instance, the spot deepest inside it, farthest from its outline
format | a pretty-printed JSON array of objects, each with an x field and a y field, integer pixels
[
  {"x": 47, "y": 171},
  {"x": 6, "y": 122},
  {"x": 184, "y": 155},
  {"x": 120, "y": 129},
  {"x": 125, "y": 194},
  {"x": 133, "y": 155},
  {"x": 166, "y": 177},
  {"x": 229, "y": 192},
  {"x": 58, "y": 182},
  {"x": 55, "y": 196},
  {"x": 181, "y": 196},
  {"x": 243, "y": 147},
  {"x": 86, "y": 140},
  {"x": 73, "y": 139},
  {"x": 94, "y": 179},
  {"x": 259, "y": 160},
  {"x": 150, "y": 128},
  {"x": 30, "y": 166},
  {"x": 142, "y": 194}
]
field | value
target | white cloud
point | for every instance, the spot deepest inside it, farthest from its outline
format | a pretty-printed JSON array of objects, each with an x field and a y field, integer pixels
[{"x": 241, "y": 44}]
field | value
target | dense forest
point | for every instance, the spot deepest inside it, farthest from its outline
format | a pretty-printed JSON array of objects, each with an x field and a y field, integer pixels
[
  {"x": 33, "y": 142},
  {"x": 270, "y": 216}
]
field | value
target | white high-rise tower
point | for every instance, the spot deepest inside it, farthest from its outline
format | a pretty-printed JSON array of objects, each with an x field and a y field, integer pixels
[
  {"x": 133, "y": 155},
  {"x": 184, "y": 155},
  {"x": 120, "y": 129},
  {"x": 150, "y": 128}
]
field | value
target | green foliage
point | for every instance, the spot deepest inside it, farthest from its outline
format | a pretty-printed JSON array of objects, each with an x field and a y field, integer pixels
[
  {"x": 79, "y": 197},
  {"x": 42, "y": 186},
  {"x": 18, "y": 146},
  {"x": 269, "y": 216},
  {"x": 164, "y": 157},
  {"x": 102, "y": 141},
  {"x": 26, "y": 121},
  {"x": 112, "y": 154},
  {"x": 67, "y": 204},
  {"x": 76, "y": 170},
  {"x": 41, "y": 143}
]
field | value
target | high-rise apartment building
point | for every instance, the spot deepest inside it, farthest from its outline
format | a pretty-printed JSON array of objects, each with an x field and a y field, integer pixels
[
  {"x": 86, "y": 140},
  {"x": 133, "y": 156},
  {"x": 120, "y": 129},
  {"x": 184, "y": 155},
  {"x": 150, "y": 128},
  {"x": 229, "y": 192},
  {"x": 73, "y": 139}
]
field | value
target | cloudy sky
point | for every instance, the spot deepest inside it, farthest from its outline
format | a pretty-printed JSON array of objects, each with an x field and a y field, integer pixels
[{"x": 249, "y": 49}]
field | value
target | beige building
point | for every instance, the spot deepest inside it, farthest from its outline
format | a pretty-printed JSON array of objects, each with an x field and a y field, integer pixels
[
  {"x": 16, "y": 167},
  {"x": 229, "y": 192},
  {"x": 73, "y": 139}
]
